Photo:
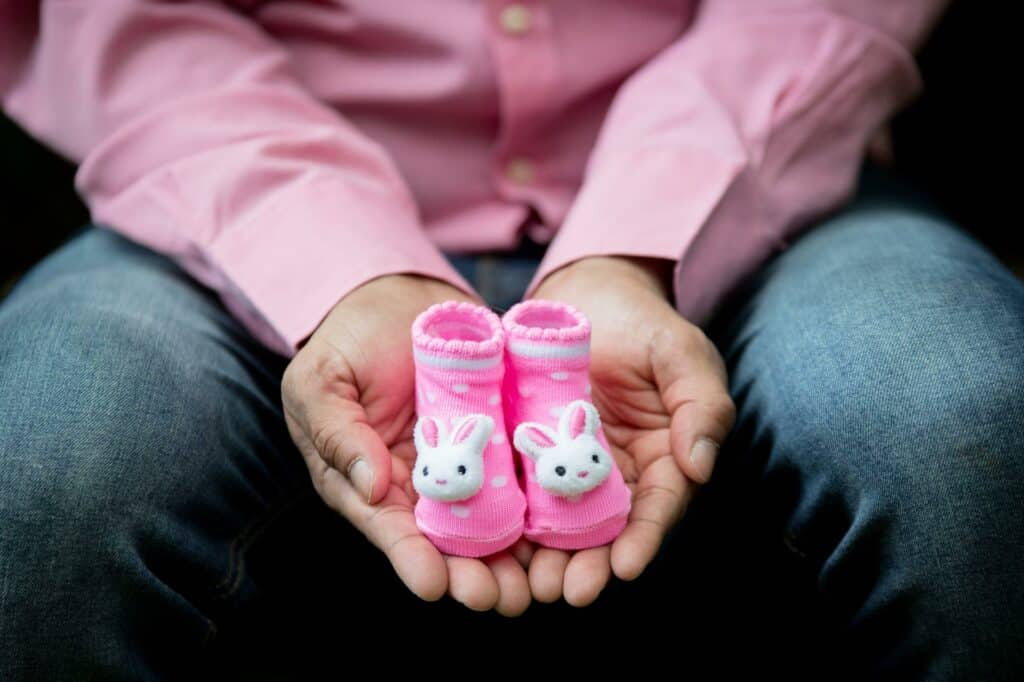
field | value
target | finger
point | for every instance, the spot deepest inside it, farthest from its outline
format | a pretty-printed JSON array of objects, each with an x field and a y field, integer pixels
[
  {"x": 340, "y": 433},
  {"x": 547, "y": 574},
  {"x": 696, "y": 433},
  {"x": 322, "y": 410},
  {"x": 523, "y": 552},
  {"x": 692, "y": 380},
  {"x": 471, "y": 583},
  {"x": 391, "y": 527},
  {"x": 587, "y": 574},
  {"x": 662, "y": 493},
  {"x": 513, "y": 586}
]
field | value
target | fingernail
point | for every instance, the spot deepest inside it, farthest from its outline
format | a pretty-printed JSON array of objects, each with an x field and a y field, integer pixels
[
  {"x": 703, "y": 456},
  {"x": 361, "y": 476}
]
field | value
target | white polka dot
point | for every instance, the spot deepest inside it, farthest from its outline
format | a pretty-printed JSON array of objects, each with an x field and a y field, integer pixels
[
  {"x": 587, "y": 389},
  {"x": 559, "y": 376},
  {"x": 460, "y": 388},
  {"x": 431, "y": 398},
  {"x": 499, "y": 439},
  {"x": 499, "y": 481},
  {"x": 494, "y": 399},
  {"x": 460, "y": 511},
  {"x": 556, "y": 411}
]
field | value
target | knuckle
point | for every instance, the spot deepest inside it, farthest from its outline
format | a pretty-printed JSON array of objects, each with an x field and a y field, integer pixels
[
  {"x": 724, "y": 410},
  {"x": 317, "y": 367},
  {"x": 723, "y": 417},
  {"x": 329, "y": 441},
  {"x": 698, "y": 345},
  {"x": 688, "y": 341},
  {"x": 331, "y": 367}
]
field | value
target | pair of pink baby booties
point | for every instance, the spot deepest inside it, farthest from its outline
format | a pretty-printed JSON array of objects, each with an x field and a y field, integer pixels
[{"x": 482, "y": 380}]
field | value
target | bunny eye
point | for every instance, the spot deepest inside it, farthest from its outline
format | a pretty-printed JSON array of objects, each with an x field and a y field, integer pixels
[
  {"x": 426, "y": 471},
  {"x": 595, "y": 459},
  {"x": 560, "y": 470},
  {"x": 462, "y": 470}
]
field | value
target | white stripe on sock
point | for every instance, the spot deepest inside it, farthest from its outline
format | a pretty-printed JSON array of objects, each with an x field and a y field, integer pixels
[
  {"x": 455, "y": 363},
  {"x": 530, "y": 349}
]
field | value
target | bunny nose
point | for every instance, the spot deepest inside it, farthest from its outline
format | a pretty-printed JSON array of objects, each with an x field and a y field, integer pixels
[
  {"x": 440, "y": 481},
  {"x": 583, "y": 474}
]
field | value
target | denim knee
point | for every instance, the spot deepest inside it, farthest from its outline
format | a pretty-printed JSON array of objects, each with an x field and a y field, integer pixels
[
  {"x": 112, "y": 418},
  {"x": 878, "y": 369}
]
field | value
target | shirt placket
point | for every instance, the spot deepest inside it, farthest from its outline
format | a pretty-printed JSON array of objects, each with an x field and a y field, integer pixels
[{"x": 525, "y": 57}]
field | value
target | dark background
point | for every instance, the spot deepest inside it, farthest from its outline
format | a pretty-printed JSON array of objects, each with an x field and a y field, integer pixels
[{"x": 955, "y": 142}]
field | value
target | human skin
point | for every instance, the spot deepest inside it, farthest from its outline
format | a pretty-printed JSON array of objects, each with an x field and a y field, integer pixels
[
  {"x": 348, "y": 397},
  {"x": 349, "y": 404},
  {"x": 660, "y": 387}
]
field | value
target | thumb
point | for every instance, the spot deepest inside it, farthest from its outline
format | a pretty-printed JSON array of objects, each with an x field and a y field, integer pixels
[
  {"x": 344, "y": 439},
  {"x": 691, "y": 377}
]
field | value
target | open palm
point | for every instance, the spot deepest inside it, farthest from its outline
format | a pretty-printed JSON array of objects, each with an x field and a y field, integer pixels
[
  {"x": 349, "y": 404},
  {"x": 660, "y": 387}
]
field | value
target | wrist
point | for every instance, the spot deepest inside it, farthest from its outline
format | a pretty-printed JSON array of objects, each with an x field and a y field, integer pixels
[
  {"x": 651, "y": 274},
  {"x": 395, "y": 296},
  {"x": 406, "y": 288}
]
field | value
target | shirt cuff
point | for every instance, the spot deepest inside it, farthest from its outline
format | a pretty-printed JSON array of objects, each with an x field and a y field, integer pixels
[
  {"x": 289, "y": 264},
  {"x": 652, "y": 204}
]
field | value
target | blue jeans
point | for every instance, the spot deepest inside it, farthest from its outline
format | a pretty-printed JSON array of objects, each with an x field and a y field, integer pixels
[{"x": 865, "y": 515}]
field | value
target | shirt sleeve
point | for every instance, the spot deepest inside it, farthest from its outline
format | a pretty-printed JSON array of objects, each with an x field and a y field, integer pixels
[
  {"x": 195, "y": 140},
  {"x": 731, "y": 141}
]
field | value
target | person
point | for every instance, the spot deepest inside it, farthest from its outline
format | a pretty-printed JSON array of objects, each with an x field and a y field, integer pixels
[{"x": 279, "y": 188}]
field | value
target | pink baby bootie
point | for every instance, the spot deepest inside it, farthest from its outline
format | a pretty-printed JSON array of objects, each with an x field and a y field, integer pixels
[
  {"x": 576, "y": 496},
  {"x": 469, "y": 503}
]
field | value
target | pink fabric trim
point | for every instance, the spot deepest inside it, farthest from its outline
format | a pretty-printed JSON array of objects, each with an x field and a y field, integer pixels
[
  {"x": 548, "y": 321},
  {"x": 441, "y": 329}
]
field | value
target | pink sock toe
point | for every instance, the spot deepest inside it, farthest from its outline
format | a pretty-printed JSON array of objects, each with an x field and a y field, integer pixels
[
  {"x": 576, "y": 496},
  {"x": 469, "y": 503}
]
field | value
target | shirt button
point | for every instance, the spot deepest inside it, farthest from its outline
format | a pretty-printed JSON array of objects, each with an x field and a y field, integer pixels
[
  {"x": 519, "y": 171},
  {"x": 515, "y": 19}
]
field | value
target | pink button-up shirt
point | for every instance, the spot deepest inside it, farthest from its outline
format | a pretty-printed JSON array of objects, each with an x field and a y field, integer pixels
[{"x": 286, "y": 152}]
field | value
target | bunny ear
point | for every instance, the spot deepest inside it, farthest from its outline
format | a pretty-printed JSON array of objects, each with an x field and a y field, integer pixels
[
  {"x": 428, "y": 433},
  {"x": 534, "y": 439},
  {"x": 579, "y": 417},
  {"x": 473, "y": 431}
]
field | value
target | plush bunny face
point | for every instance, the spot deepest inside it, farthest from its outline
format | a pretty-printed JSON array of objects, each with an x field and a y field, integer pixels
[
  {"x": 450, "y": 467},
  {"x": 572, "y": 460}
]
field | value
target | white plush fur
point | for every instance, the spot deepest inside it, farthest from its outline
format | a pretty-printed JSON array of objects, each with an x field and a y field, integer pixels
[
  {"x": 566, "y": 466},
  {"x": 436, "y": 474}
]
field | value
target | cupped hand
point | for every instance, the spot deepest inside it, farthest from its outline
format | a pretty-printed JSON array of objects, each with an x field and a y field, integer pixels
[
  {"x": 660, "y": 387},
  {"x": 348, "y": 398}
]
